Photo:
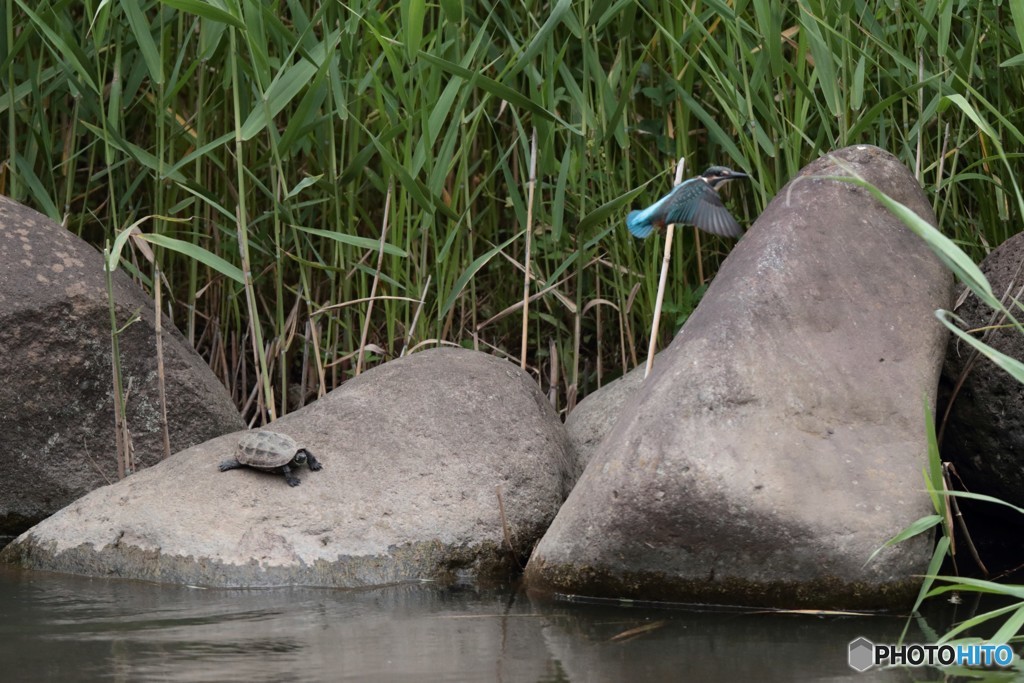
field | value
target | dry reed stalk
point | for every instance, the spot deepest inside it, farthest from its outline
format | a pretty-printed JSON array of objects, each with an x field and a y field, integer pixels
[
  {"x": 376, "y": 279},
  {"x": 115, "y": 364},
  {"x": 415, "y": 317},
  {"x": 237, "y": 389},
  {"x": 321, "y": 390},
  {"x": 365, "y": 299},
  {"x": 526, "y": 260},
  {"x": 953, "y": 512},
  {"x": 265, "y": 402},
  {"x": 304, "y": 380},
  {"x": 574, "y": 387},
  {"x": 160, "y": 378},
  {"x": 919, "y": 156},
  {"x": 629, "y": 328},
  {"x": 553, "y": 373},
  {"x": 653, "y": 345},
  {"x": 130, "y": 465},
  {"x": 669, "y": 232},
  {"x": 519, "y": 304},
  {"x": 435, "y": 342},
  {"x": 504, "y": 525},
  {"x": 600, "y": 336},
  {"x": 569, "y": 304},
  {"x": 700, "y": 258}
]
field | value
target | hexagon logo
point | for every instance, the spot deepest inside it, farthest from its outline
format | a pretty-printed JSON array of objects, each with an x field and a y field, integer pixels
[{"x": 862, "y": 654}]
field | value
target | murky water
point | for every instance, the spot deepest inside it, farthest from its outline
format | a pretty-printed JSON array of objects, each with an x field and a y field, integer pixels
[{"x": 61, "y": 628}]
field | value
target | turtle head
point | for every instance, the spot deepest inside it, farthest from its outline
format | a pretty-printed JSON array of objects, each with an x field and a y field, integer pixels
[{"x": 300, "y": 457}]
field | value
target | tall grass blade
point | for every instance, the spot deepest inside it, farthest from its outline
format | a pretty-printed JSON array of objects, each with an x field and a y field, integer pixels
[
  {"x": 208, "y": 10},
  {"x": 467, "y": 275},
  {"x": 144, "y": 37},
  {"x": 198, "y": 253}
]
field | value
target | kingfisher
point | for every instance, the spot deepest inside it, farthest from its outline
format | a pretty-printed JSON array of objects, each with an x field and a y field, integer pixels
[{"x": 693, "y": 202}]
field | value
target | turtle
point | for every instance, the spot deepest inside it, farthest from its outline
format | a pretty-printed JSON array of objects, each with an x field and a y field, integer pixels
[{"x": 271, "y": 452}]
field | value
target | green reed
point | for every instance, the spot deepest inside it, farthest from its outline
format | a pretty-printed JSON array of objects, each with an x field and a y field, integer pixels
[{"x": 274, "y": 129}]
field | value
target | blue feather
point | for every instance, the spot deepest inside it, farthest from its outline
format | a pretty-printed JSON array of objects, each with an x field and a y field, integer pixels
[
  {"x": 638, "y": 225},
  {"x": 641, "y": 223}
]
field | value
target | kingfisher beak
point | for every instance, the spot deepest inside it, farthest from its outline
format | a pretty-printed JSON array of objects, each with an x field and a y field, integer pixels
[{"x": 726, "y": 177}]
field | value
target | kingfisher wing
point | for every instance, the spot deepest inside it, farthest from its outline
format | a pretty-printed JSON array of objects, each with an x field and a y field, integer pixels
[{"x": 696, "y": 203}]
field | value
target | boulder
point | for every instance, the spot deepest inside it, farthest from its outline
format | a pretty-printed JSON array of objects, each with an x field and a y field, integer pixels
[
  {"x": 429, "y": 464},
  {"x": 591, "y": 420},
  {"x": 56, "y": 398},
  {"x": 984, "y": 434},
  {"x": 780, "y": 438}
]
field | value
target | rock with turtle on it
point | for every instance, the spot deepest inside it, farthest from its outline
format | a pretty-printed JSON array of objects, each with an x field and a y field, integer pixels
[
  {"x": 413, "y": 488},
  {"x": 271, "y": 452}
]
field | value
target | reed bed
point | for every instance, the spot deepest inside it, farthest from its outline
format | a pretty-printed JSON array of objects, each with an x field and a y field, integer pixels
[{"x": 329, "y": 185}]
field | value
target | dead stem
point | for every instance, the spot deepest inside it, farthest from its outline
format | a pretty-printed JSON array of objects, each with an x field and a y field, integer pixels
[
  {"x": 161, "y": 385},
  {"x": 505, "y": 528},
  {"x": 376, "y": 279},
  {"x": 529, "y": 240}
]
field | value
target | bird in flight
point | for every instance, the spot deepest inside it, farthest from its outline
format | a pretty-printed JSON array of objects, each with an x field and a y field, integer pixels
[{"x": 692, "y": 202}]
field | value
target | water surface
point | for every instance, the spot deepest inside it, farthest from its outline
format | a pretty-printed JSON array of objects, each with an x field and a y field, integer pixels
[{"x": 63, "y": 628}]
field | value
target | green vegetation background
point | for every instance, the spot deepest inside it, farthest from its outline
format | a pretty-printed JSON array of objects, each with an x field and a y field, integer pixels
[{"x": 269, "y": 133}]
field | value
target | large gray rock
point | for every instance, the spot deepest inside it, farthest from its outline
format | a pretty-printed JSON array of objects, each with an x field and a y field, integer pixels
[
  {"x": 414, "y": 455},
  {"x": 780, "y": 438},
  {"x": 595, "y": 416},
  {"x": 56, "y": 397}
]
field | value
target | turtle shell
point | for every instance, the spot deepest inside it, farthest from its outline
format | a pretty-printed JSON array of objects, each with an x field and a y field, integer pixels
[{"x": 265, "y": 449}]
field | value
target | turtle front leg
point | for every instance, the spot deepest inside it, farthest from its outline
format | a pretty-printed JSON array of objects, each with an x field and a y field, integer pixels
[
  {"x": 287, "y": 472},
  {"x": 311, "y": 460}
]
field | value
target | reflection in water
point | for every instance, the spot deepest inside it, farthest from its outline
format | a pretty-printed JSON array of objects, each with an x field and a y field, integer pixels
[{"x": 55, "y": 627}]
